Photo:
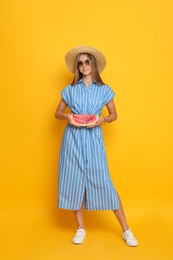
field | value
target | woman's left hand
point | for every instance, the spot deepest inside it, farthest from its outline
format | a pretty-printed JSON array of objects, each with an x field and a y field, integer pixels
[{"x": 99, "y": 122}]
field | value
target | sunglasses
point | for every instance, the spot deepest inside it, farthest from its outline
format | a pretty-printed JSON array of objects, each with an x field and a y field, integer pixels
[{"x": 85, "y": 62}]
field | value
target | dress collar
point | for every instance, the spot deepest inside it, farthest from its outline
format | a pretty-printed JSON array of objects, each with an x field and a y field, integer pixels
[{"x": 81, "y": 81}]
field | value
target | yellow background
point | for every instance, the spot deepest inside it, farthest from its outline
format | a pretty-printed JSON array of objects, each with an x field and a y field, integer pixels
[{"x": 136, "y": 38}]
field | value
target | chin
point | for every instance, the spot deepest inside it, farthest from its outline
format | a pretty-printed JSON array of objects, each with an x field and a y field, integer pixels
[{"x": 86, "y": 73}]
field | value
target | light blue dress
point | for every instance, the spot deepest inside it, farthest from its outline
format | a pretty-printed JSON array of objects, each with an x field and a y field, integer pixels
[{"x": 83, "y": 175}]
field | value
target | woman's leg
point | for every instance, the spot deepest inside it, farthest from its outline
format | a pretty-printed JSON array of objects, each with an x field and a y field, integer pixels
[
  {"x": 80, "y": 233},
  {"x": 121, "y": 217},
  {"x": 79, "y": 218},
  {"x": 127, "y": 233}
]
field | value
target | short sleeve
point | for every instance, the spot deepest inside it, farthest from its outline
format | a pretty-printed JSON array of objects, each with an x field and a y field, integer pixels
[
  {"x": 65, "y": 93},
  {"x": 108, "y": 94}
]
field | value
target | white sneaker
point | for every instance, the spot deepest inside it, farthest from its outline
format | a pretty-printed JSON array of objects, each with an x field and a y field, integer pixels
[
  {"x": 129, "y": 238},
  {"x": 79, "y": 236}
]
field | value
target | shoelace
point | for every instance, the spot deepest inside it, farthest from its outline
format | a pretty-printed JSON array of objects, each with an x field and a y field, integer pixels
[
  {"x": 79, "y": 232},
  {"x": 130, "y": 235}
]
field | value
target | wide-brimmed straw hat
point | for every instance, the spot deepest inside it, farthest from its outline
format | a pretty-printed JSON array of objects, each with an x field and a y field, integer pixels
[{"x": 71, "y": 55}]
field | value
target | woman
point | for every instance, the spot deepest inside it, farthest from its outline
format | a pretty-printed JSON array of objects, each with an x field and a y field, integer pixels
[{"x": 84, "y": 180}]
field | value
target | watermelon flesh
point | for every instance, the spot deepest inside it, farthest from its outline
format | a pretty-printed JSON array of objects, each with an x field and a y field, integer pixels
[{"x": 83, "y": 119}]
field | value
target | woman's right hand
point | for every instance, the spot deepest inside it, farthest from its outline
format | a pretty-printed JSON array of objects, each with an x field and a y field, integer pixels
[
  {"x": 70, "y": 122},
  {"x": 68, "y": 118}
]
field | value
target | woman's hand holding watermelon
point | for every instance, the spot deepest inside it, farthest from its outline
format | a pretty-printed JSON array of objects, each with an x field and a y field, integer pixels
[
  {"x": 70, "y": 121},
  {"x": 101, "y": 120}
]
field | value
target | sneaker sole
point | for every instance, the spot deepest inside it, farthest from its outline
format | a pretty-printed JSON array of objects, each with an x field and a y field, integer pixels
[{"x": 129, "y": 244}]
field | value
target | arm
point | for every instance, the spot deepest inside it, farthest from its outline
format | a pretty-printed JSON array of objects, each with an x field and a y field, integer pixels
[
  {"x": 108, "y": 119},
  {"x": 59, "y": 114},
  {"x": 112, "y": 112}
]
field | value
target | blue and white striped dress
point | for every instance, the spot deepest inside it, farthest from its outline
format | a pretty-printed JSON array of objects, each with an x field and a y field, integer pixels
[{"x": 84, "y": 178}]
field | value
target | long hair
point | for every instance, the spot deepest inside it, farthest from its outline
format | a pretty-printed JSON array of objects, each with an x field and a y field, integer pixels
[{"x": 95, "y": 72}]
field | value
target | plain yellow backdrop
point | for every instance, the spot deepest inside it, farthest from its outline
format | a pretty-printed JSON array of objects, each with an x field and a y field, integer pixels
[{"x": 136, "y": 38}]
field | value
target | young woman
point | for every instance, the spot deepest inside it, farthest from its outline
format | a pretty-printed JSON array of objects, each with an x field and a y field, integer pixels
[{"x": 84, "y": 180}]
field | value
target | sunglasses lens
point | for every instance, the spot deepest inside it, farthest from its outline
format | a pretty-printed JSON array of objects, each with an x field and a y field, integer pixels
[
  {"x": 81, "y": 63},
  {"x": 87, "y": 63}
]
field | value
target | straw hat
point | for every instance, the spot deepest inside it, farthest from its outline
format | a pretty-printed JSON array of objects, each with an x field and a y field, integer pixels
[{"x": 71, "y": 55}]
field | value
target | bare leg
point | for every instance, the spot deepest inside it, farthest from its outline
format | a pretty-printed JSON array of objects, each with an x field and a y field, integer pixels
[
  {"x": 121, "y": 217},
  {"x": 118, "y": 213},
  {"x": 79, "y": 218}
]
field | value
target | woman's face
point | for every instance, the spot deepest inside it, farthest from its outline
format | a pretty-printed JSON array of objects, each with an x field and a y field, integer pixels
[{"x": 84, "y": 65}]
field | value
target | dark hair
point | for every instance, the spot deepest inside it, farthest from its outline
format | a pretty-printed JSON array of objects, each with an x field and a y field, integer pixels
[{"x": 95, "y": 72}]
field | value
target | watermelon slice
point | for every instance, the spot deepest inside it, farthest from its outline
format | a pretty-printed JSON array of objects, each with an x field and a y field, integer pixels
[{"x": 83, "y": 119}]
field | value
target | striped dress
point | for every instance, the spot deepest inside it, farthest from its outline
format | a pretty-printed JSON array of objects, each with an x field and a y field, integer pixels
[{"x": 83, "y": 175}]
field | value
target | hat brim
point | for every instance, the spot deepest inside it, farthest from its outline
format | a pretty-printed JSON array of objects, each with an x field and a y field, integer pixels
[{"x": 70, "y": 57}]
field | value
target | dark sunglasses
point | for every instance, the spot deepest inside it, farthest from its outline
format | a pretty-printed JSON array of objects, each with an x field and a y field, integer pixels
[{"x": 85, "y": 62}]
